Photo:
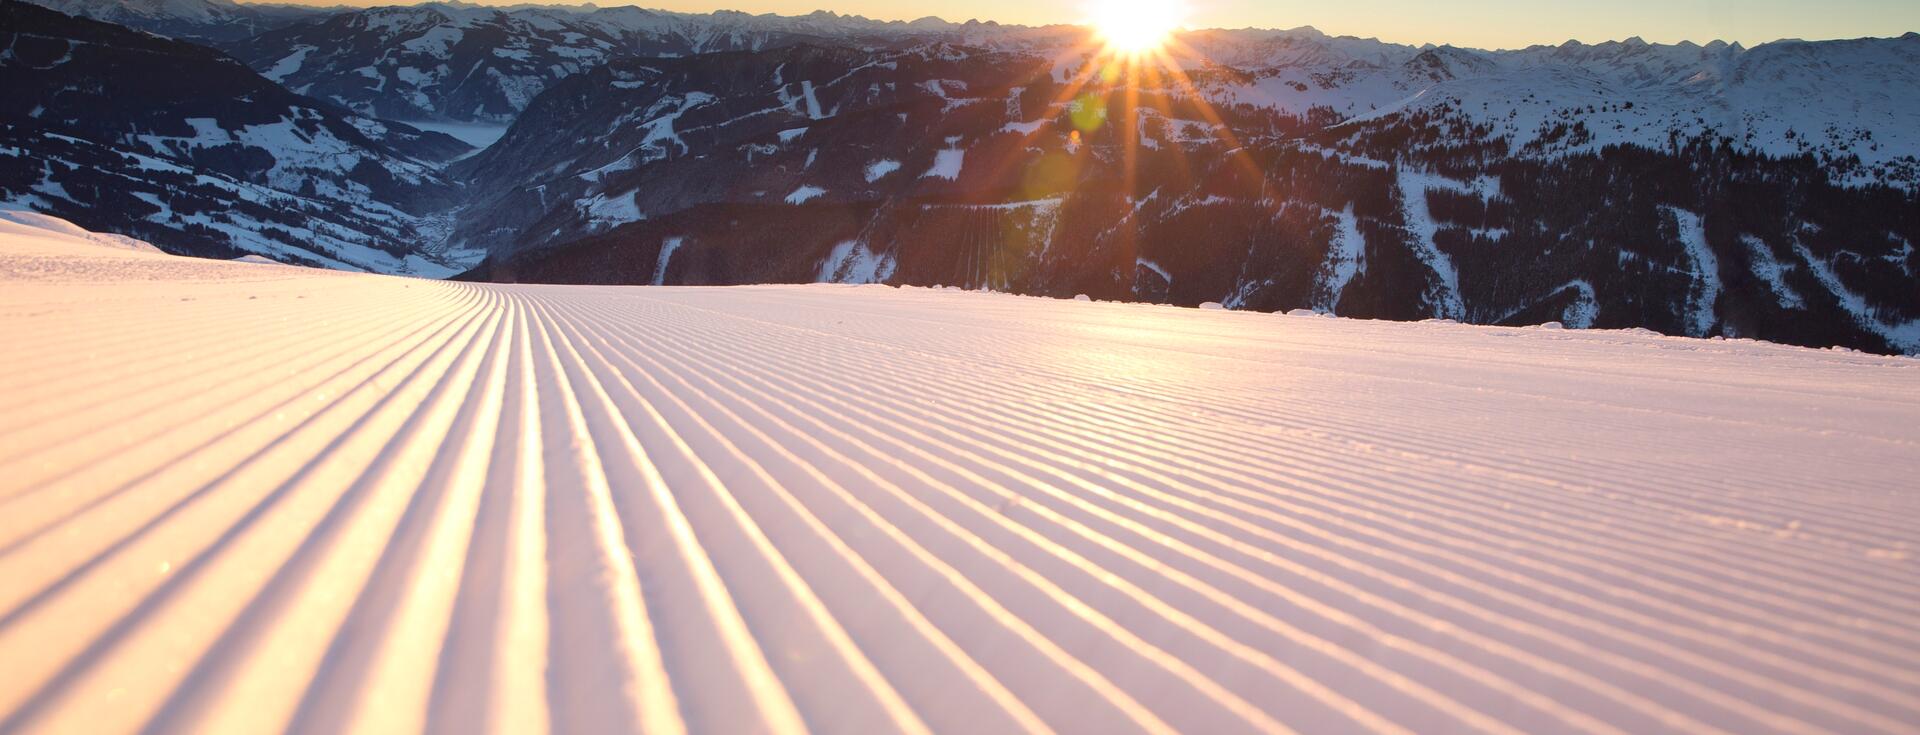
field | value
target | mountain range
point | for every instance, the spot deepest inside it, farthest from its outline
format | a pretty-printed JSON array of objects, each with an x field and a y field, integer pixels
[
  {"x": 192, "y": 20},
  {"x": 1709, "y": 190}
]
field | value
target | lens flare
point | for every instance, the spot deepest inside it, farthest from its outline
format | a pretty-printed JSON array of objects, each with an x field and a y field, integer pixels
[{"x": 1134, "y": 27}]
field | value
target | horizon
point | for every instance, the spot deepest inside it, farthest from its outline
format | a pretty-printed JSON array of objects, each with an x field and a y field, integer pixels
[{"x": 1389, "y": 21}]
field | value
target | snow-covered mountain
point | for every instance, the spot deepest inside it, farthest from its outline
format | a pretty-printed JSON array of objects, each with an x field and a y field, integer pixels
[
  {"x": 197, "y": 20},
  {"x": 1867, "y": 122},
  {"x": 180, "y": 145},
  {"x": 462, "y": 62},
  {"x": 450, "y": 61},
  {"x": 939, "y": 164},
  {"x": 471, "y": 63}
]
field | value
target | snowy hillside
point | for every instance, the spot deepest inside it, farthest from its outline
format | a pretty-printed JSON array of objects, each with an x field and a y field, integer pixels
[
  {"x": 466, "y": 62},
  {"x": 25, "y": 226},
  {"x": 476, "y": 63},
  {"x": 237, "y": 497},
  {"x": 934, "y": 164},
  {"x": 182, "y": 146},
  {"x": 1622, "y": 93}
]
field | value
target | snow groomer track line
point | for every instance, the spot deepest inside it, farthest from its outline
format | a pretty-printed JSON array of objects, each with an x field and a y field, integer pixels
[{"x": 248, "y": 498}]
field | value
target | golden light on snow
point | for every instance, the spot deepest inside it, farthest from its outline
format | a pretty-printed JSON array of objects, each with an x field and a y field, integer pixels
[
  {"x": 1129, "y": 70},
  {"x": 1134, "y": 27},
  {"x": 787, "y": 507}
]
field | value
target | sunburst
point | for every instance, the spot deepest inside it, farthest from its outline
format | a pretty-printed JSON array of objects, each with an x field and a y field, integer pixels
[{"x": 1135, "y": 27}]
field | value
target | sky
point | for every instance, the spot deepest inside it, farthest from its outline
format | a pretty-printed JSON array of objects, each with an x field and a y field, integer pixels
[{"x": 1472, "y": 23}]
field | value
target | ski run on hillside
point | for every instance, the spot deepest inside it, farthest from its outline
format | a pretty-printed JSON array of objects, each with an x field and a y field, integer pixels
[{"x": 244, "y": 497}]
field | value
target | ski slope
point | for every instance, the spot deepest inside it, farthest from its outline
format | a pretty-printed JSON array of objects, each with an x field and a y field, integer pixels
[{"x": 241, "y": 497}]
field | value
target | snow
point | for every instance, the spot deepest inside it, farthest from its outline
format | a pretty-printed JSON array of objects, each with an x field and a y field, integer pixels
[
  {"x": 1902, "y": 335},
  {"x": 946, "y": 164},
  {"x": 1024, "y": 128},
  {"x": 1585, "y": 308},
  {"x": 289, "y": 65},
  {"x": 1193, "y": 200},
  {"x": 518, "y": 90},
  {"x": 813, "y": 101},
  {"x": 660, "y": 130},
  {"x": 244, "y": 498},
  {"x": 1243, "y": 290},
  {"x": 45, "y": 230},
  {"x": 301, "y": 156},
  {"x": 1627, "y": 92},
  {"x": 667, "y": 247},
  {"x": 853, "y": 262},
  {"x": 437, "y": 41},
  {"x": 207, "y": 131},
  {"x": 804, "y": 193},
  {"x": 1345, "y": 157},
  {"x": 1772, "y": 272},
  {"x": 417, "y": 80},
  {"x": 1067, "y": 64},
  {"x": 1346, "y": 258},
  {"x": 1443, "y": 294},
  {"x": 608, "y": 210},
  {"x": 1155, "y": 267},
  {"x": 478, "y": 135},
  {"x": 1705, "y": 290},
  {"x": 879, "y": 169}
]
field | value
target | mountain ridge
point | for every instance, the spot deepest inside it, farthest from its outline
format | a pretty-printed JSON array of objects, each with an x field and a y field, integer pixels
[{"x": 936, "y": 21}]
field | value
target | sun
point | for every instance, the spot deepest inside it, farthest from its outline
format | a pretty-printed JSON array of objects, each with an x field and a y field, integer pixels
[{"x": 1135, "y": 27}]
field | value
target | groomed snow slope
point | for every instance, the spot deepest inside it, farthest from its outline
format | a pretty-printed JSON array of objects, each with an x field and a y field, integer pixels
[{"x": 235, "y": 497}]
